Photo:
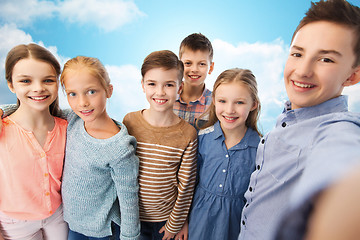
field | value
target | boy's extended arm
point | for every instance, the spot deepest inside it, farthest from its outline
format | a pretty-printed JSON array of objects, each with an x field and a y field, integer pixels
[{"x": 336, "y": 214}]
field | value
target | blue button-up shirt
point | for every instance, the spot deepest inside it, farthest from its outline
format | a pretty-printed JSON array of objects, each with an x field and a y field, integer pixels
[{"x": 309, "y": 140}]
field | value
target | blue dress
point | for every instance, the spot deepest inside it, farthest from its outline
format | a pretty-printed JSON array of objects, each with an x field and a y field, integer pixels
[{"x": 223, "y": 178}]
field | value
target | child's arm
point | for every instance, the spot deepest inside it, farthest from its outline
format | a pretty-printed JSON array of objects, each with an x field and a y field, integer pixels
[
  {"x": 124, "y": 172},
  {"x": 186, "y": 183},
  {"x": 337, "y": 211},
  {"x": 167, "y": 235}
]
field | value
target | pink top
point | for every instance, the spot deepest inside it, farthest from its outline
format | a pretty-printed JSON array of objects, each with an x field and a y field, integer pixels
[{"x": 30, "y": 175}]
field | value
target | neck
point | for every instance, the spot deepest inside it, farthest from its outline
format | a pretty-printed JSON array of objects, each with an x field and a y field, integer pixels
[
  {"x": 102, "y": 127},
  {"x": 234, "y": 136},
  {"x": 160, "y": 119},
  {"x": 31, "y": 120},
  {"x": 191, "y": 93}
]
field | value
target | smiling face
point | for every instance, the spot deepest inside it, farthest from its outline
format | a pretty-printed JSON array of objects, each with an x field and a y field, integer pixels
[
  {"x": 196, "y": 66},
  {"x": 161, "y": 88},
  {"x": 320, "y": 64},
  {"x": 86, "y": 95},
  {"x": 233, "y": 104},
  {"x": 35, "y": 84}
]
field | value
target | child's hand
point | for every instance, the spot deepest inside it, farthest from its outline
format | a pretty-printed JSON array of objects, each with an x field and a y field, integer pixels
[
  {"x": 183, "y": 234},
  {"x": 167, "y": 235}
]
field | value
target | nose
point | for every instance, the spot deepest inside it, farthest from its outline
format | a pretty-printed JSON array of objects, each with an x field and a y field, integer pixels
[
  {"x": 160, "y": 90},
  {"x": 38, "y": 86},
  {"x": 304, "y": 68},
  {"x": 83, "y": 101},
  {"x": 230, "y": 108},
  {"x": 194, "y": 68}
]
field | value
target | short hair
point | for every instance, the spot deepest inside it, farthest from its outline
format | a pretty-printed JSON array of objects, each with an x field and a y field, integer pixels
[
  {"x": 194, "y": 42},
  {"x": 90, "y": 64},
  {"x": 36, "y": 52},
  {"x": 242, "y": 76},
  {"x": 335, "y": 11},
  {"x": 163, "y": 59}
]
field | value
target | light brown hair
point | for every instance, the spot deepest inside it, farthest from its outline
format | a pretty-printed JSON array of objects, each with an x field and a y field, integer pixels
[
  {"x": 243, "y": 76},
  {"x": 92, "y": 65}
]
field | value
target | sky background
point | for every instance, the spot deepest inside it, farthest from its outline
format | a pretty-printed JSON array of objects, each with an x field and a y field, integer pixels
[{"x": 245, "y": 34}]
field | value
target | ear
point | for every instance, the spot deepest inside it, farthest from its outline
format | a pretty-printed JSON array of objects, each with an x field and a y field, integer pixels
[
  {"x": 143, "y": 85},
  {"x": 110, "y": 91},
  {"x": 354, "y": 78},
  {"x": 180, "y": 87},
  {"x": 211, "y": 68},
  {"x": 254, "y": 107},
  {"x": 11, "y": 87}
]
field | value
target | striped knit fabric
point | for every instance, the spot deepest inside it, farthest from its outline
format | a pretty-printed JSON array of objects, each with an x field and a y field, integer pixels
[{"x": 167, "y": 170}]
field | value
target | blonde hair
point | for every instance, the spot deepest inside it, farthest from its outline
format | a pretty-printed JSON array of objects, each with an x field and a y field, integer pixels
[
  {"x": 36, "y": 52},
  {"x": 92, "y": 65},
  {"x": 243, "y": 76}
]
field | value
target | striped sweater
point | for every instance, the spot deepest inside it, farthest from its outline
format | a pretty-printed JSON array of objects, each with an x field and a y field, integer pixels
[{"x": 167, "y": 170}]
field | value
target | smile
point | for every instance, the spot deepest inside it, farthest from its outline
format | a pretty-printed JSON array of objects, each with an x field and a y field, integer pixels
[
  {"x": 302, "y": 85},
  {"x": 230, "y": 118},
  {"x": 160, "y": 101},
  {"x": 194, "y": 77},
  {"x": 39, "y": 98},
  {"x": 86, "y": 112}
]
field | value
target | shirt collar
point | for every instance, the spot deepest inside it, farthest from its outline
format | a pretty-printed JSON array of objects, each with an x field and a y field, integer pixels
[
  {"x": 251, "y": 138},
  {"x": 201, "y": 100},
  {"x": 338, "y": 104}
]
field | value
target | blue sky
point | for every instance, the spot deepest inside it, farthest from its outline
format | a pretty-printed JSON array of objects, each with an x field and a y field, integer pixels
[{"x": 245, "y": 34}]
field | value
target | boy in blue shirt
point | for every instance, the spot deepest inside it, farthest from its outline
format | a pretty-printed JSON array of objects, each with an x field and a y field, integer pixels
[{"x": 316, "y": 140}]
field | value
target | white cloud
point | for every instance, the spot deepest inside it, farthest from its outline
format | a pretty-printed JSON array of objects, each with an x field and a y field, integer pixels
[
  {"x": 127, "y": 96},
  {"x": 24, "y": 12},
  {"x": 105, "y": 14}
]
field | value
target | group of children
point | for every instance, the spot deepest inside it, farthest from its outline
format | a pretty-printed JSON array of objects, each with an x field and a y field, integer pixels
[{"x": 194, "y": 165}]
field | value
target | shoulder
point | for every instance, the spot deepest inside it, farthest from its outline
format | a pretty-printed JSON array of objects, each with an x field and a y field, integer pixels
[
  {"x": 188, "y": 129},
  {"x": 61, "y": 122},
  {"x": 130, "y": 117},
  {"x": 207, "y": 130}
]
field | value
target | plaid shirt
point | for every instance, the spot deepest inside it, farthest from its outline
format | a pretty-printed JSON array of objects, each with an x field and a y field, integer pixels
[{"x": 190, "y": 112}]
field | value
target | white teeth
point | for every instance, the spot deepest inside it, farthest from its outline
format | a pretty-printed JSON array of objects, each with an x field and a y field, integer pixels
[
  {"x": 230, "y": 118},
  {"x": 194, "y": 77},
  {"x": 38, "y": 98},
  {"x": 302, "y": 85},
  {"x": 86, "y": 111},
  {"x": 160, "y": 101}
]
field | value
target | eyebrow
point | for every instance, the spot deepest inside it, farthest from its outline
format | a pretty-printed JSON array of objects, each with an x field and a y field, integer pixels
[{"x": 324, "y": 51}]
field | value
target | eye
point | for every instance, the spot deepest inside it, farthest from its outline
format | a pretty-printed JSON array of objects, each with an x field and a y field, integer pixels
[
  {"x": 221, "y": 101},
  {"x": 71, "y": 94},
  {"x": 151, "y": 84},
  {"x": 239, "y": 102},
  {"x": 187, "y": 64},
  {"x": 91, "y": 92},
  {"x": 296, "y": 55},
  {"x": 25, "y": 81},
  {"x": 327, "y": 60},
  {"x": 49, "y": 80},
  {"x": 170, "y": 85},
  {"x": 203, "y": 64}
]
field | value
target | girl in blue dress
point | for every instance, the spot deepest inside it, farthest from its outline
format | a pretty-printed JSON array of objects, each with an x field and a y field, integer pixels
[{"x": 226, "y": 157}]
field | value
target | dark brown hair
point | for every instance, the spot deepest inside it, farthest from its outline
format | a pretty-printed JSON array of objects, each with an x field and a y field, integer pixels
[
  {"x": 196, "y": 41},
  {"x": 339, "y": 12},
  {"x": 163, "y": 59},
  {"x": 36, "y": 52}
]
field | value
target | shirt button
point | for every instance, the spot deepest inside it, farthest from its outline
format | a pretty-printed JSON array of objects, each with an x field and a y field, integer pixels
[
  {"x": 224, "y": 170},
  {"x": 47, "y": 194},
  {"x": 226, "y": 155},
  {"x": 247, "y": 205},
  {"x": 250, "y": 189},
  {"x": 243, "y": 222},
  {"x": 263, "y": 141},
  {"x": 258, "y": 167},
  {"x": 220, "y": 185},
  {"x": 46, "y": 174},
  {"x": 42, "y": 155},
  {"x": 283, "y": 124}
]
